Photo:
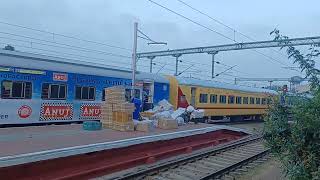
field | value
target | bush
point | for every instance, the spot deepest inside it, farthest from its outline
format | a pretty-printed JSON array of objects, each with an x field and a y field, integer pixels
[{"x": 297, "y": 144}]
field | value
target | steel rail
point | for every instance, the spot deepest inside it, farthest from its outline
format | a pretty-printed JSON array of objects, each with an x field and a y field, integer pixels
[
  {"x": 236, "y": 165},
  {"x": 141, "y": 171}
]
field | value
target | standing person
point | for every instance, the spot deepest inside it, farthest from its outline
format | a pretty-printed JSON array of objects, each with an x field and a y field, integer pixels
[{"x": 137, "y": 103}]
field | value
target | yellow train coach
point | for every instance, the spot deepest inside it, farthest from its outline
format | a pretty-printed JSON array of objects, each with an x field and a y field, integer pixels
[{"x": 221, "y": 101}]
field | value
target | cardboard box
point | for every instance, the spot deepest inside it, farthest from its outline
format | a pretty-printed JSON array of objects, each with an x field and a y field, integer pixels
[
  {"x": 166, "y": 123},
  {"x": 107, "y": 125},
  {"x": 115, "y": 94},
  {"x": 115, "y": 99},
  {"x": 107, "y": 106},
  {"x": 121, "y": 117},
  {"x": 115, "y": 90},
  {"x": 145, "y": 126},
  {"x": 124, "y": 107},
  {"x": 147, "y": 114},
  {"x": 128, "y": 126}
]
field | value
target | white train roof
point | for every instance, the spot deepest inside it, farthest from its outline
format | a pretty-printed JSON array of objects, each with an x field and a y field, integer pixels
[
  {"x": 43, "y": 62},
  {"x": 215, "y": 84}
]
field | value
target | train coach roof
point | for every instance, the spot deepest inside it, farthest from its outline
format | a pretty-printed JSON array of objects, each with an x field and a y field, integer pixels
[
  {"x": 43, "y": 62},
  {"x": 215, "y": 84}
]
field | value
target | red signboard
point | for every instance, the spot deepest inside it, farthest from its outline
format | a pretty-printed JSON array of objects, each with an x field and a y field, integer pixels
[
  {"x": 60, "y": 77},
  {"x": 90, "y": 111},
  {"x": 56, "y": 112}
]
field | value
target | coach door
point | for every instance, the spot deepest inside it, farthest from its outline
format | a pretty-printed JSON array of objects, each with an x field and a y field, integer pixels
[
  {"x": 193, "y": 96},
  {"x": 148, "y": 92}
]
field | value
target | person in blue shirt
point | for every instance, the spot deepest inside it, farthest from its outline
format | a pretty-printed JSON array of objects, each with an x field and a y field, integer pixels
[{"x": 137, "y": 103}]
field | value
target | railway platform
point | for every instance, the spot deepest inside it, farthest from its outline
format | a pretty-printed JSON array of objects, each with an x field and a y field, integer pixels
[{"x": 68, "y": 152}]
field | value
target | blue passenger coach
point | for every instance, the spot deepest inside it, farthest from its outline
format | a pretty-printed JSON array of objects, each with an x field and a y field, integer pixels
[{"x": 45, "y": 89}]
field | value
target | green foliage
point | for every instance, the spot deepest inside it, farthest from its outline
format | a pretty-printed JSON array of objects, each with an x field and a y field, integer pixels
[{"x": 297, "y": 144}]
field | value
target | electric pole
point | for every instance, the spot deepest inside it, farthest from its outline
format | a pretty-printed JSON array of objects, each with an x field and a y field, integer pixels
[
  {"x": 177, "y": 62},
  {"x": 151, "y": 63},
  {"x": 213, "y": 61}
]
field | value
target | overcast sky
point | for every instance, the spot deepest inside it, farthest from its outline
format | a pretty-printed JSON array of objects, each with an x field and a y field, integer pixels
[{"x": 111, "y": 22}]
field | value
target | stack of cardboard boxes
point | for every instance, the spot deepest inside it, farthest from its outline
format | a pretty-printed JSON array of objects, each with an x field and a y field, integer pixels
[{"x": 116, "y": 112}]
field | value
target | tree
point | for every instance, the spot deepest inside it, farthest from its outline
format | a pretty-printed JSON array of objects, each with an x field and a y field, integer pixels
[{"x": 297, "y": 144}]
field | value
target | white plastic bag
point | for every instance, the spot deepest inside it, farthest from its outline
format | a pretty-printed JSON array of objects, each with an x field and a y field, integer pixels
[
  {"x": 164, "y": 114},
  {"x": 180, "y": 121},
  {"x": 197, "y": 113},
  {"x": 190, "y": 109},
  {"x": 165, "y": 105},
  {"x": 178, "y": 113}
]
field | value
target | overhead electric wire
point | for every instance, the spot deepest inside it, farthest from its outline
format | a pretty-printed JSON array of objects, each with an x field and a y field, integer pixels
[
  {"x": 68, "y": 54},
  {"x": 217, "y": 62},
  {"x": 223, "y": 24},
  {"x": 72, "y": 47},
  {"x": 191, "y": 20},
  {"x": 68, "y": 46},
  {"x": 65, "y": 36},
  {"x": 199, "y": 24}
]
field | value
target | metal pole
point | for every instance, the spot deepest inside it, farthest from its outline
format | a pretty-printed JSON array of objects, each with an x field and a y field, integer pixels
[
  {"x": 212, "y": 70},
  {"x": 151, "y": 62},
  {"x": 270, "y": 84},
  {"x": 213, "y": 62},
  {"x": 134, "y": 57},
  {"x": 235, "y": 81},
  {"x": 177, "y": 60},
  {"x": 151, "y": 65}
]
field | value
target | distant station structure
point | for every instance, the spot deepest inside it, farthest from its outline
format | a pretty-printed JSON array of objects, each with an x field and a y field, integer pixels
[{"x": 295, "y": 80}]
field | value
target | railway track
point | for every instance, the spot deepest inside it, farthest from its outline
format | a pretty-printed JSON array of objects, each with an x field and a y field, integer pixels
[{"x": 220, "y": 163}]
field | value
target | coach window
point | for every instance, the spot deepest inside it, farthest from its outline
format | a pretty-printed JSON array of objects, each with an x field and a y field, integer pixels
[
  {"x": 257, "y": 100},
  {"x": 264, "y": 101},
  {"x": 213, "y": 98},
  {"x": 54, "y": 91},
  {"x": 203, "y": 98},
  {"x": 223, "y": 99},
  {"x": 85, "y": 93},
  {"x": 238, "y": 100},
  {"x": 245, "y": 100},
  {"x": 251, "y": 100},
  {"x": 231, "y": 100},
  {"x": 16, "y": 90}
]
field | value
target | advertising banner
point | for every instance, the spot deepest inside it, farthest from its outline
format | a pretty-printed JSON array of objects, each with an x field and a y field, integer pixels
[
  {"x": 90, "y": 111},
  {"x": 56, "y": 111}
]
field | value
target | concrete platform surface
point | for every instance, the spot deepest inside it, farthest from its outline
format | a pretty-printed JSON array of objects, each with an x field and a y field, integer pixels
[{"x": 34, "y": 143}]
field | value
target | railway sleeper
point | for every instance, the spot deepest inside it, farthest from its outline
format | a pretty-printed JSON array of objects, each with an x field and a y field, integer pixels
[
  {"x": 214, "y": 165},
  {"x": 249, "y": 149},
  {"x": 176, "y": 176},
  {"x": 223, "y": 162},
  {"x": 190, "y": 168},
  {"x": 185, "y": 173},
  {"x": 230, "y": 158},
  {"x": 253, "y": 151},
  {"x": 237, "y": 154},
  {"x": 204, "y": 167}
]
